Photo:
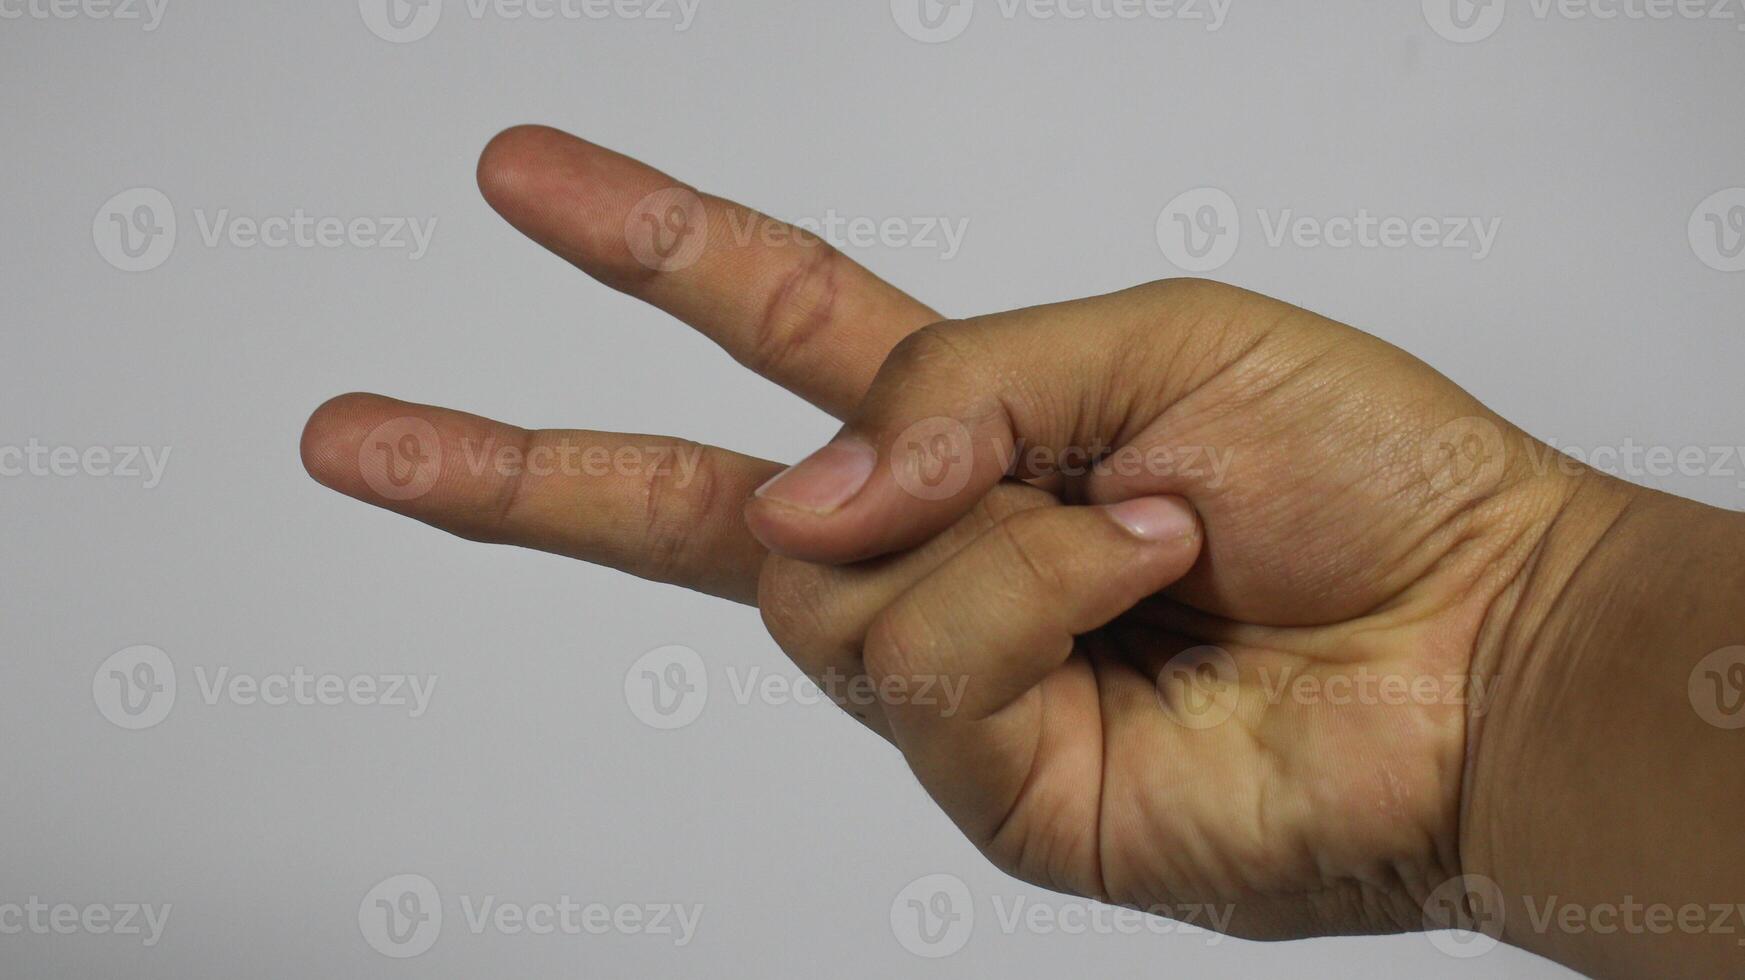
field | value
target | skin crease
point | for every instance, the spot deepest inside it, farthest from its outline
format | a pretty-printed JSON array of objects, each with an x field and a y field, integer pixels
[{"x": 1369, "y": 521}]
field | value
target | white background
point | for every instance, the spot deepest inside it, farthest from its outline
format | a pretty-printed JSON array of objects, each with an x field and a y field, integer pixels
[{"x": 1592, "y": 322}]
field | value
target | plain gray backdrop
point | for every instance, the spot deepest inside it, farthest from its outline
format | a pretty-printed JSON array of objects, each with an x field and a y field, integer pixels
[{"x": 1599, "y": 319}]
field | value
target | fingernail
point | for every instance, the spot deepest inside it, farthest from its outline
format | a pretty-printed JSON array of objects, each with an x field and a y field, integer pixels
[
  {"x": 825, "y": 480},
  {"x": 1156, "y": 518}
]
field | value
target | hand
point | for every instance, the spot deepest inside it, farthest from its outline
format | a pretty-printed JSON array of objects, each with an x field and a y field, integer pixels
[
  {"x": 1236, "y": 743},
  {"x": 1362, "y": 524}
]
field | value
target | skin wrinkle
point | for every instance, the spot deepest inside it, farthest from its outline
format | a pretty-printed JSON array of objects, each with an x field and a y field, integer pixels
[
  {"x": 991, "y": 841},
  {"x": 510, "y": 495},
  {"x": 800, "y": 311},
  {"x": 670, "y": 539},
  {"x": 1530, "y": 685}
]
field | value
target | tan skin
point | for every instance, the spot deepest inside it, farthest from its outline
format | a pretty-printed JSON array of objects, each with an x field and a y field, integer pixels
[{"x": 1371, "y": 522}]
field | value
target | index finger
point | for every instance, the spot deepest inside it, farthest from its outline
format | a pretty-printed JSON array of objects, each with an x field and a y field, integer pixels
[{"x": 780, "y": 300}]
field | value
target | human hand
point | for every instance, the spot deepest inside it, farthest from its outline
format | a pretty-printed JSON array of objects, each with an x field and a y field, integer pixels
[
  {"x": 1362, "y": 523},
  {"x": 1359, "y": 528}
]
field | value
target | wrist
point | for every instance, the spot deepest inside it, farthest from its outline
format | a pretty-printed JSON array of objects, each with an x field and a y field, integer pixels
[{"x": 1594, "y": 790}]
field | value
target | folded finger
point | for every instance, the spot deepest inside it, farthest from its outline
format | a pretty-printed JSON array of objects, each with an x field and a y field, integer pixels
[
  {"x": 992, "y": 626},
  {"x": 819, "y": 614}
]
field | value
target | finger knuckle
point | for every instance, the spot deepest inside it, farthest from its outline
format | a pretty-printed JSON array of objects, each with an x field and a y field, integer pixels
[
  {"x": 792, "y": 597},
  {"x": 1191, "y": 289},
  {"x": 941, "y": 350},
  {"x": 798, "y": 312},
  {"x": 902, "y": 644},
  {"x": 675, "y": 503},
  {"x": 1028, "y": 540},
  {"x": 510, "y": 496},
  {"x": 1007, "y": 500}
]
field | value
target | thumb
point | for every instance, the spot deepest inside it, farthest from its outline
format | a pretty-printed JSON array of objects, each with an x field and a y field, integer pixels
[{"x": 960, "y": 406}]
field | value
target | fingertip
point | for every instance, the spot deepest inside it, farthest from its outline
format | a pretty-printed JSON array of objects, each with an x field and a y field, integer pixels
[
  {"x": 571, "y": 196},
  {"x": 1157, "y": 520},
  {"x": 331, "y": 435},
  {"x": 794, "y": 533},
  {"x": 512, "y": 161}
]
